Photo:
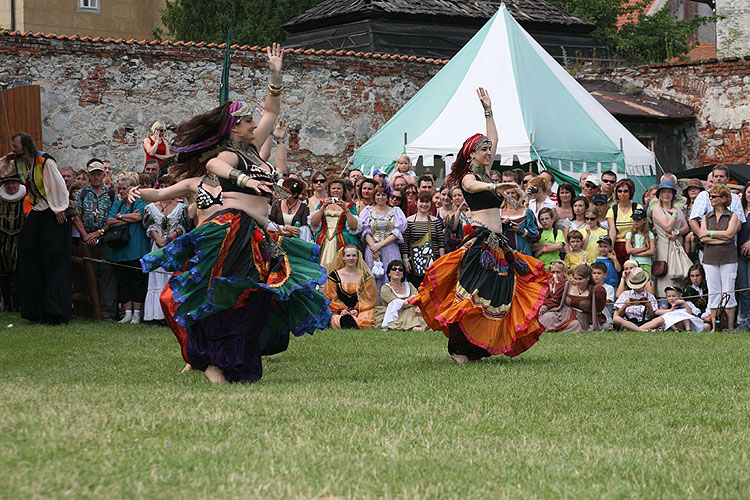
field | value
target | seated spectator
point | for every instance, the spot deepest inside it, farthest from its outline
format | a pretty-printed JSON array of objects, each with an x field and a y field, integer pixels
[
  {"x": 697, "y": 291},
  {"x": 628, "y": 266},
  {"x": 717, "y": 233},
  {"x": 398, "y": 313},
  {"x": 519, "y": 224},
  {"x": 351, "y": 290},
  {"x": 598, "y": 273},
  {"x": 676, "y": 314},
  {"x": 559, "y": 272},
  {"x": 579, "y": 305},
  {"x": 639, "y": 241},
  {"x": 609, "y": 259},
  {"x": 635, "y": 306},
  {"x": 591, "y": 233},
  {"x": 131, "y": 282},
  {"x": 551, "y": 241},
  {"x": 575, "y": 254}
]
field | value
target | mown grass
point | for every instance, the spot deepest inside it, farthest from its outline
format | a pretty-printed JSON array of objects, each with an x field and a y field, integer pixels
[{"x": 98, "y": 410}]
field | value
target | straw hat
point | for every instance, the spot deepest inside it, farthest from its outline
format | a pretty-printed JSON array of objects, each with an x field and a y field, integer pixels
[{"x": 636, "y": 278}]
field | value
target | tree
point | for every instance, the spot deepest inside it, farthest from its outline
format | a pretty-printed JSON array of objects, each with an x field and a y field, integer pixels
[
  {"x": 640, "y": 39},
  {"x": 256, "y": 22}
]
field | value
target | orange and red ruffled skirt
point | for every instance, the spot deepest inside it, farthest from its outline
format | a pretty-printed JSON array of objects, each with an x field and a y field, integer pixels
[{"x": 491, "y": 292}]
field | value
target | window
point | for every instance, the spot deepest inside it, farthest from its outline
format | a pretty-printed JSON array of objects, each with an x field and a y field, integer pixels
[{"x": 88, "y": 5}]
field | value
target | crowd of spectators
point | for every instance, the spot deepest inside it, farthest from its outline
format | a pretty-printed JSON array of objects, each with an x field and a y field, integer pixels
[{"x": 675, "y": 259}]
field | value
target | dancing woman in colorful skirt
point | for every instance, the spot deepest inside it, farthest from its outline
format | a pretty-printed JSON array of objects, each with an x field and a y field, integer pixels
[
  {"x": 232, "y": 279},
  {"x": 484, "y": 296}
]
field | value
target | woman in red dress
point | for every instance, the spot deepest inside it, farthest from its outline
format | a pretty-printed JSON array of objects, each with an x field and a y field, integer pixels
[{"x": 155, "y": 146}]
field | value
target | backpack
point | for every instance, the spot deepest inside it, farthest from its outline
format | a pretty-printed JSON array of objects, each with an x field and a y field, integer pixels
[{"x": 633, "y": 206}]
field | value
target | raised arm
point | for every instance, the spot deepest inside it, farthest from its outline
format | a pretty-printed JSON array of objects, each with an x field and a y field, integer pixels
[
  {"x": 272, "y": 104},
  {"x": 484, "y": 98}
]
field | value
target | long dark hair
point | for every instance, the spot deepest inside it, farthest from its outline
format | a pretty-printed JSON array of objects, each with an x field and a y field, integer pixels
[
  {"x": 585, "y": 203},
  {"x": 193, "y": 131},
  {"x": 697, "y": 267},
  {"x": 743, "y": 198},
  {"x": 567, "y": 186}
]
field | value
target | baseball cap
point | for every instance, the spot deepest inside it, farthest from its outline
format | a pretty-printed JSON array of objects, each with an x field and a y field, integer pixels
[
  {"x": 95, "y": 165},
  {"x": 604, "y": 239},
  {"x": 594, "y": 179},
  {"x": 599, "y": 198},
  {"x": 638, "y": 214}
]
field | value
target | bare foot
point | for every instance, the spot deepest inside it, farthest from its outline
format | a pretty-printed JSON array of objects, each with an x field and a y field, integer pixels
[
  {"x": 460, "y": 358},
  {"x": 215, "y": 375},
  {"x": 187, "y": 368}
]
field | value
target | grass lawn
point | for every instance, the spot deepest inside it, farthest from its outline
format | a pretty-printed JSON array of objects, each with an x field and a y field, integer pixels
[{"x": 97, "y": 410}]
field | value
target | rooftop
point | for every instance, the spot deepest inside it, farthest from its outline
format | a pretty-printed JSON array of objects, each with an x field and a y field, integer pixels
[{"x": 455, "y": 11}]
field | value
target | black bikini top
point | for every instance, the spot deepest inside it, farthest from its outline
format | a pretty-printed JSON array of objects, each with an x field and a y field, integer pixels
[
  {"x": 481, "y": 200},
  {"x": 245, "y": 165},
  {"x": 205, "y": 200}
]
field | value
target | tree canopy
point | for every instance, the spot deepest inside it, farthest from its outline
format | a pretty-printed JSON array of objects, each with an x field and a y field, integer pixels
[
  {"x": 640, "y": 39},
  {"x": 256, "y": 22}
]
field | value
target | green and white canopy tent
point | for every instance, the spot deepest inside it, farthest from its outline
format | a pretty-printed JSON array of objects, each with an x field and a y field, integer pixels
[{"x": 541, "y": 112}]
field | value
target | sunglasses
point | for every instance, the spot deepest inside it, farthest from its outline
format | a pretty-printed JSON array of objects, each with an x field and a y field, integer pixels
[
  {"x": 591, "y": 186},
  {"x": 399, "y": 269},
  {"x": 590, "y": 218},
  {"x": 395, "y": 197},
  {"x": 319, "y": 181},
  {"x": 623, "y": 190},
  {"x": 608, "y": 181},
  {"x": 714, "y": 196}
]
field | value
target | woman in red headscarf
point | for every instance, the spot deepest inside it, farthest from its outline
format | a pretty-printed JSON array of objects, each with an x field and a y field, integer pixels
[{"x": 484, "y": 296}]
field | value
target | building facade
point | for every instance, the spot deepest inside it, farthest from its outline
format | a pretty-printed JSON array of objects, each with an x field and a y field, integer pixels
[{"x": 128, "y": 19}]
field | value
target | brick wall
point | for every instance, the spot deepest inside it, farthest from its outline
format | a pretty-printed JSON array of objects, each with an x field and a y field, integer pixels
[{"x": 100, "y": 96}]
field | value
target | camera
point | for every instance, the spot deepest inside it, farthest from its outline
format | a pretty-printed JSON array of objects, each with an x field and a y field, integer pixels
[
  {"x": 533, "y": 190},
  {"x": 335, "y": 200}
]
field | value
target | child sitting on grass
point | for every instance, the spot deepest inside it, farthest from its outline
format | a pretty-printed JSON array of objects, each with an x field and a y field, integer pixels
[
  {"x": 559, "y": 272},
  {"x": 576, "y": 255},
  {"x": 676, "y": 314},
  {"x": 609, "y": 259},
  {"x": 591, "y": 233},
  {"x": 635, "y": 306},
  {"x": 628, "y": 266},
  {"x": 696, "y": 291},
  {"x": 551, "y": 241},
  {"x": 598, "y": 273},
  {"x": 640, "y": 243}
]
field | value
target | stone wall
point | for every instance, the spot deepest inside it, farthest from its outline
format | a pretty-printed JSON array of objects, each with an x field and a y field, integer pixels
[
  {"x": 100, "y": 96},
  {"x": 718, "y": 91}
]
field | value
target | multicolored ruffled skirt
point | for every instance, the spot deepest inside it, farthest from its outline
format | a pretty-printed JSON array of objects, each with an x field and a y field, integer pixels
[
  {"x": 492, "y": 293},
  {"x": 231, "y": 280}
]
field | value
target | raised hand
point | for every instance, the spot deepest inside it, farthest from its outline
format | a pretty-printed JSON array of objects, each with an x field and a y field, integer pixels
[
  {"x": 484, "y": 98},
  {"x": 134, "y": 192},
  {"x": 275, "y": 56},
  {"x": 280, "y": 131}
]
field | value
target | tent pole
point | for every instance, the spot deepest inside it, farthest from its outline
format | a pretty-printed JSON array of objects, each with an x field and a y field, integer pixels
[
  {"x": 531, "y": 143},
  {"x": 405, "y": 141}
]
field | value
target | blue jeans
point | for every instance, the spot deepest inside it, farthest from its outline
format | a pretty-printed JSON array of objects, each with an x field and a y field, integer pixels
[{"x": 743, "y": 281}]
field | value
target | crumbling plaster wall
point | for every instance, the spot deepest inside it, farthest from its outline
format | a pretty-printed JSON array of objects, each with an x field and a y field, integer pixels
[{"x": 99, "y": 97}]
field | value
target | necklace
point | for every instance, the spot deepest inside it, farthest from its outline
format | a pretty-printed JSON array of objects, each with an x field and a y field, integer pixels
[
  {"x": 211, "y": 179},
  {"x": 290, "y": 208},
  {"x": 478, "y": 170}
]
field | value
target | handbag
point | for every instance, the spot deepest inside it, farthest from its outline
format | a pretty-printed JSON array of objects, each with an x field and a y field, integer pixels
[
  {"x": 119, "y": 236},
  {"x": 659, "y": 268},
  {"x": 679, "y": 262},
  {"x": 421, "y": 252}
]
